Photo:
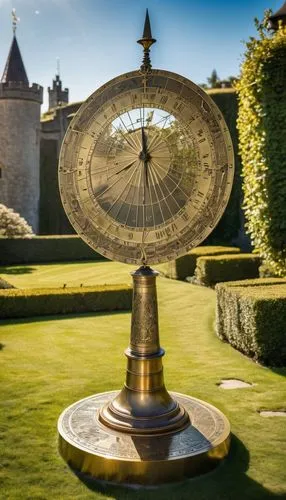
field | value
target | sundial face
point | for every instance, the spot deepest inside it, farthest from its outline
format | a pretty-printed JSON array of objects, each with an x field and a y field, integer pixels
[{"x": 146, "y": 167}]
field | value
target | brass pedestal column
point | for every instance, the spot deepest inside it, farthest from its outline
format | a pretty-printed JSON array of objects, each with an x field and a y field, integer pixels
[
  {"x": 143, "y": 434},
  {"x": 144, "y": 406}
]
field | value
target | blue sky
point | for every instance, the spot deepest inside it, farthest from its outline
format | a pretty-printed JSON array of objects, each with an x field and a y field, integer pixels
[{"x": 96, "y": 39}]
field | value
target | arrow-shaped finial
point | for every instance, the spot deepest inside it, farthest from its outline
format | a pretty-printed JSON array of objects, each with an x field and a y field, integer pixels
[
  {"x": 146, "y": 41},
  {"x": 147, "y": 27}
]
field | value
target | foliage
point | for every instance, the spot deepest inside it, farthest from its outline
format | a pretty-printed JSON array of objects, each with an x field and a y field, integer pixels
[
  {"x": 45, "y": 249},
  {"x": 44, "y": 301},
  {"x": 185, "y": 266},
  {"x": 213, "y": 80},
  {"x": 215, "y": 269},
  {"x": 266, "y": 271},
  {"x": 52, "y": 216},
  {"x": 251, "y": 316},
  {"x": 262, "y": 129},
  {"x": 12, "y": 224},
  {"x": 227, "y": 230}
]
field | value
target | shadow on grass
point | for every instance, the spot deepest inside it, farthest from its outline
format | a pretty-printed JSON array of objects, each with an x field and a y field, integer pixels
[
  {"x": 17, "y": 270},
  {"x": 57, "y": 317},
  {"x": 280, "y": 370},
  {"x": 228, "y": 481},
  {"x": 77, "y": 262},
  {"x": 26, "y": 269}
]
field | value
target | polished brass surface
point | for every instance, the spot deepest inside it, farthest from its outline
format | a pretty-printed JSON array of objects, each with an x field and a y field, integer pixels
[
  {"x": 103, "y": 453},
  {"x": 146, "y": 167},
  {"x": 144, "y": 406},
  {"x": 143, "y": 434}
]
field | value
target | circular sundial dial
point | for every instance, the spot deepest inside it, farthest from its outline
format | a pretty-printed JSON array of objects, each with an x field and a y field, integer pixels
[{"x": 146, "y": 167}]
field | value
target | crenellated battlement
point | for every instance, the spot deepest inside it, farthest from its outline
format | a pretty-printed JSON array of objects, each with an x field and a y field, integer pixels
[{"x": 20, "y": 90}]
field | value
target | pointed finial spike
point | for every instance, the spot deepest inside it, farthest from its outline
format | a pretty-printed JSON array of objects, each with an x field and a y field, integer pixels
[
  {"x": 146, "y": 41},
  {"x": 147, "y": 27}
]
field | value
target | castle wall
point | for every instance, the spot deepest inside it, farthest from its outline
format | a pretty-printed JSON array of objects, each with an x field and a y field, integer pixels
[{"x": 20, "y": 157}]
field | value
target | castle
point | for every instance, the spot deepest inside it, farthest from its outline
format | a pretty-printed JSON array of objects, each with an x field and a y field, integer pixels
[{"x": 26, "y": 142}]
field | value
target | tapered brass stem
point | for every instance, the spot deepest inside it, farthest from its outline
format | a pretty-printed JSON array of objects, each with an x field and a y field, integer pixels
[{"x": 144, "y": 406}]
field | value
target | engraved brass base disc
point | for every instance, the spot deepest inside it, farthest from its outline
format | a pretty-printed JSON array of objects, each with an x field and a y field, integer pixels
[{"x": 92, "y": 448}]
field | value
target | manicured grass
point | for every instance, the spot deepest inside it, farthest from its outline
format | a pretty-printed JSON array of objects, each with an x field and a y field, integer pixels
[
  {"x": 69, "y": 274},
  {"x": 48, "y": 363}
]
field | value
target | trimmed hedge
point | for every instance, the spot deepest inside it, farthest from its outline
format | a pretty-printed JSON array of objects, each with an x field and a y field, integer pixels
[
  {"x": 251, "y": 316},
  {"x": 45, "y": 249},
  {"x": 262, "y": 130},
  {"x": 230, "y": 227},
  {"x": 266, "y": 271},
  {"x": 40, "y": 301},
  {"x": 216, "y": 269},
  {"x": 185, "y": 266}
]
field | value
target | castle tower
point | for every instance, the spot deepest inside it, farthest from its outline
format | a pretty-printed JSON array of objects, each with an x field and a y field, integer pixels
[
  {"x": 57, "y": 95},
  {"x": 20, "y": 105}
]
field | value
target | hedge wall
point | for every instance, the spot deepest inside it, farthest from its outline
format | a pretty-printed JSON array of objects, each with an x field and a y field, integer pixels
[
  {"x": 45, "y": 249},
  {"x": 40, "y": 302},
  {"x": 251, "y": 316},
  {"x": 230, "y": 227},
  {"x": 185, "y": 266},
  {"x": 53, "y": 219},
  {"x": 216, "y": 269},
  {"x": 262, "y": 131}
]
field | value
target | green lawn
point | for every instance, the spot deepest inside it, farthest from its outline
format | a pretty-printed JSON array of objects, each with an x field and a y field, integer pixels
[{"x": 48, "y": 363}]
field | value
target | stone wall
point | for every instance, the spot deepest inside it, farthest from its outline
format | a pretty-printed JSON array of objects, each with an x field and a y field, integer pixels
[{"x": 20, "y": 157}]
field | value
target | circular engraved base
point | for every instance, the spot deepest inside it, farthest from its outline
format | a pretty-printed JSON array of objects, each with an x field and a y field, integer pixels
[{"x": 91, "y": 448}]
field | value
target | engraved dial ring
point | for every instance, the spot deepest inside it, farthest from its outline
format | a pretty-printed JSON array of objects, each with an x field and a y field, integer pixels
[{"x": 146, "y": 170}]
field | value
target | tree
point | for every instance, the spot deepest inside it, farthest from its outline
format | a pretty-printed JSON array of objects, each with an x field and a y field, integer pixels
[
  {"x": 213, "y": 80},
  {"x": 232, "y": 80},
  {"x": 12, "y": 224}
]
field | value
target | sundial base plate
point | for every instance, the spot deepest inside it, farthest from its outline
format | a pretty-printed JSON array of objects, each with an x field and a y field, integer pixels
[{"x": 91, "y": 448}]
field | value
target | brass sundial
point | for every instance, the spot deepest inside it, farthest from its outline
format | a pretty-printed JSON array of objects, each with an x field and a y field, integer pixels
[{"x": 146, "y": 169}]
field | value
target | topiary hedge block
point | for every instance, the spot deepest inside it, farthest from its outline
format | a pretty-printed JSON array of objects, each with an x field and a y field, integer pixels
[
  {"x": 251, "y": 316},
  {"x": 45, "y": 249},
  {"x": 185, "y": 266},
  {"x": 216, "y": 269},
  {"x": 40, "y": 302}
]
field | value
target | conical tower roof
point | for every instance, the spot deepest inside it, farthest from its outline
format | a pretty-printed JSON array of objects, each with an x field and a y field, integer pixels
[{"x": 14, "y": 69}]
